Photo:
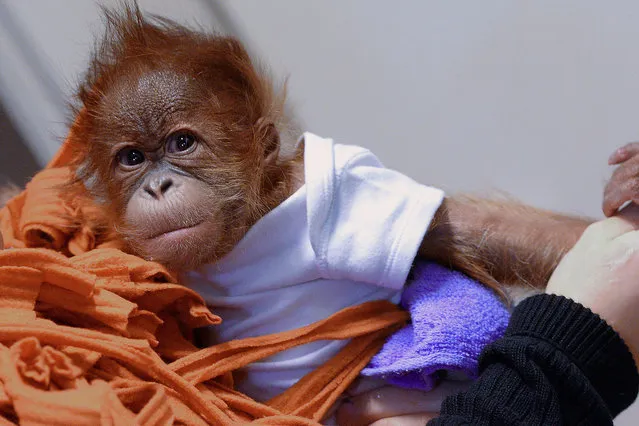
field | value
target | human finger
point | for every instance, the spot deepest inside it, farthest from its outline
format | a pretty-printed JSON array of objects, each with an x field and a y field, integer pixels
[
  {"x": 391, "y": 401},
  {"x": 622, "y": 187},
  {"x": 624, "y": 153},
  {"x": 418, "y": 419}
]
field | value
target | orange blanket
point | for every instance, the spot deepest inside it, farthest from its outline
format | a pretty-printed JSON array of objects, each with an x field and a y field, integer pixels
[{"x": 90, "y": 335}]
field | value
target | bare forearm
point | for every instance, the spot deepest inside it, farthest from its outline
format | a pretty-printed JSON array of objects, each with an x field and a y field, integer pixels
[{"x": 500, "y": 242}]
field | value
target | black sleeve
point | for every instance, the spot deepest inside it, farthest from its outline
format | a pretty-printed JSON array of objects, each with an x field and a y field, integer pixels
[{"x": 557, "y": 364}]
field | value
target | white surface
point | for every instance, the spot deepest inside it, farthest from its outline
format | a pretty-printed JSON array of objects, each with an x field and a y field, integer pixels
[
  {"x": 526, "y": 97},
  {"x": 348, "y": 236}
]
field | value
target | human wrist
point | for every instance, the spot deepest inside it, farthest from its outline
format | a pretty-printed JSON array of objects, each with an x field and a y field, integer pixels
[{"x": 585, "y": 338}]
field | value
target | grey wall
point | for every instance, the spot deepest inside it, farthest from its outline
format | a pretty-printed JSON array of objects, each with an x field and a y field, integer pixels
[
  {"x": 524, "y": 97},
  {"x": 17, "y": 163},
  {"x": 44, "y": 47}
]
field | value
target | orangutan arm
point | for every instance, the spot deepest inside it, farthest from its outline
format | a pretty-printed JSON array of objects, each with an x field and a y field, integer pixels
[{"x": 500, "y": 242}]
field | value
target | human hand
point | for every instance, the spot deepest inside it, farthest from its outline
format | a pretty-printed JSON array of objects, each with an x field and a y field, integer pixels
[
  {"x": 623, "y": 186},
  {"x": 602, "y": 273},
  {"x": 388, "y": 405}
]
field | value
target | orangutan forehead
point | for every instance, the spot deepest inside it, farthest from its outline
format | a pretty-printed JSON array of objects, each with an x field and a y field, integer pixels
[
  {"x": 146, "y": 102},
  {"x": 147, "y": 94}
]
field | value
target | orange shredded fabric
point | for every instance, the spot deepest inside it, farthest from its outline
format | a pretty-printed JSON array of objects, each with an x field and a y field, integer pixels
[{"x": 90, "y": 335}]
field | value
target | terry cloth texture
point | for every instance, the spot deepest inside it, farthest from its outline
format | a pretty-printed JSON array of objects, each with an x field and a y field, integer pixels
[{"x": 453, "y": 318}]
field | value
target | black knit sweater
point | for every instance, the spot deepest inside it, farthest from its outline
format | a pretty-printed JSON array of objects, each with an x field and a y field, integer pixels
[{"x": 557, "y": 364}]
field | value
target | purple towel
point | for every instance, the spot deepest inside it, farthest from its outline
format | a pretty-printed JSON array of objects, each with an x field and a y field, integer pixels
[{"x": 452, "y": 318}]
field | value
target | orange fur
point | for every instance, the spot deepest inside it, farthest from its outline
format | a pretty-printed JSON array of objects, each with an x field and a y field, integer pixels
[
  {"x": 231, "y": 103},
  {"x": 501, "y": 243}
]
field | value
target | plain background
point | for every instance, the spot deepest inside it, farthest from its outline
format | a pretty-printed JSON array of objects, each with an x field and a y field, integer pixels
[{"x": 529, "y": 98}]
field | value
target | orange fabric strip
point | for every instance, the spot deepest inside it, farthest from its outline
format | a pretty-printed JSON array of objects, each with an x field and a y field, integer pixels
[{"x": 92, "y": 335}]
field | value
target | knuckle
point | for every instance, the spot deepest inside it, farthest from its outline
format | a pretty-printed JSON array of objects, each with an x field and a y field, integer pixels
[
  {"x": 623, "y": 175},
  {"x": 611, "y": 195},
  {"x": 628, "y": 169},
  {"x": 615, "y": 183},
  {"x": 622, "y": 187},
  {"x": 608, "y": 201},
  {"x": 631, "y": 149}
]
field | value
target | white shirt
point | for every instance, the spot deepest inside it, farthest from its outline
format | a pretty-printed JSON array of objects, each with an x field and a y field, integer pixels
[{"x": 349, "y": 235}]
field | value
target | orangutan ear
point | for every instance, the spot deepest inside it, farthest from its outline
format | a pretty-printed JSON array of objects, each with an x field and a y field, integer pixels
[{"x": 270, "y": 140}]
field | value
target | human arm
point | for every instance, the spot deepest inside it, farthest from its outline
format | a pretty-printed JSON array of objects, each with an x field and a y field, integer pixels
[
  {"x": 558, "y": 363},
  {"x": 579, "y": 369},
  {"x": 562, "y": 360}
]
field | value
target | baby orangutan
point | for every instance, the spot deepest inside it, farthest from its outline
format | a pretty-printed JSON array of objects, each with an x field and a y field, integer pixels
[{"x": 188, "y": 149}]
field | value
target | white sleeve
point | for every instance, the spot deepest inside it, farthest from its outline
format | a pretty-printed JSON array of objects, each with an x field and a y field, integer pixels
[{"x": 366, "y": 222}]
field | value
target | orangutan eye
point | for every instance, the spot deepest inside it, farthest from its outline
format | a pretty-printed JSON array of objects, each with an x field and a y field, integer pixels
[
  {"x": 130, "y": 157},
  {"x": 180, "y": 142}
]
